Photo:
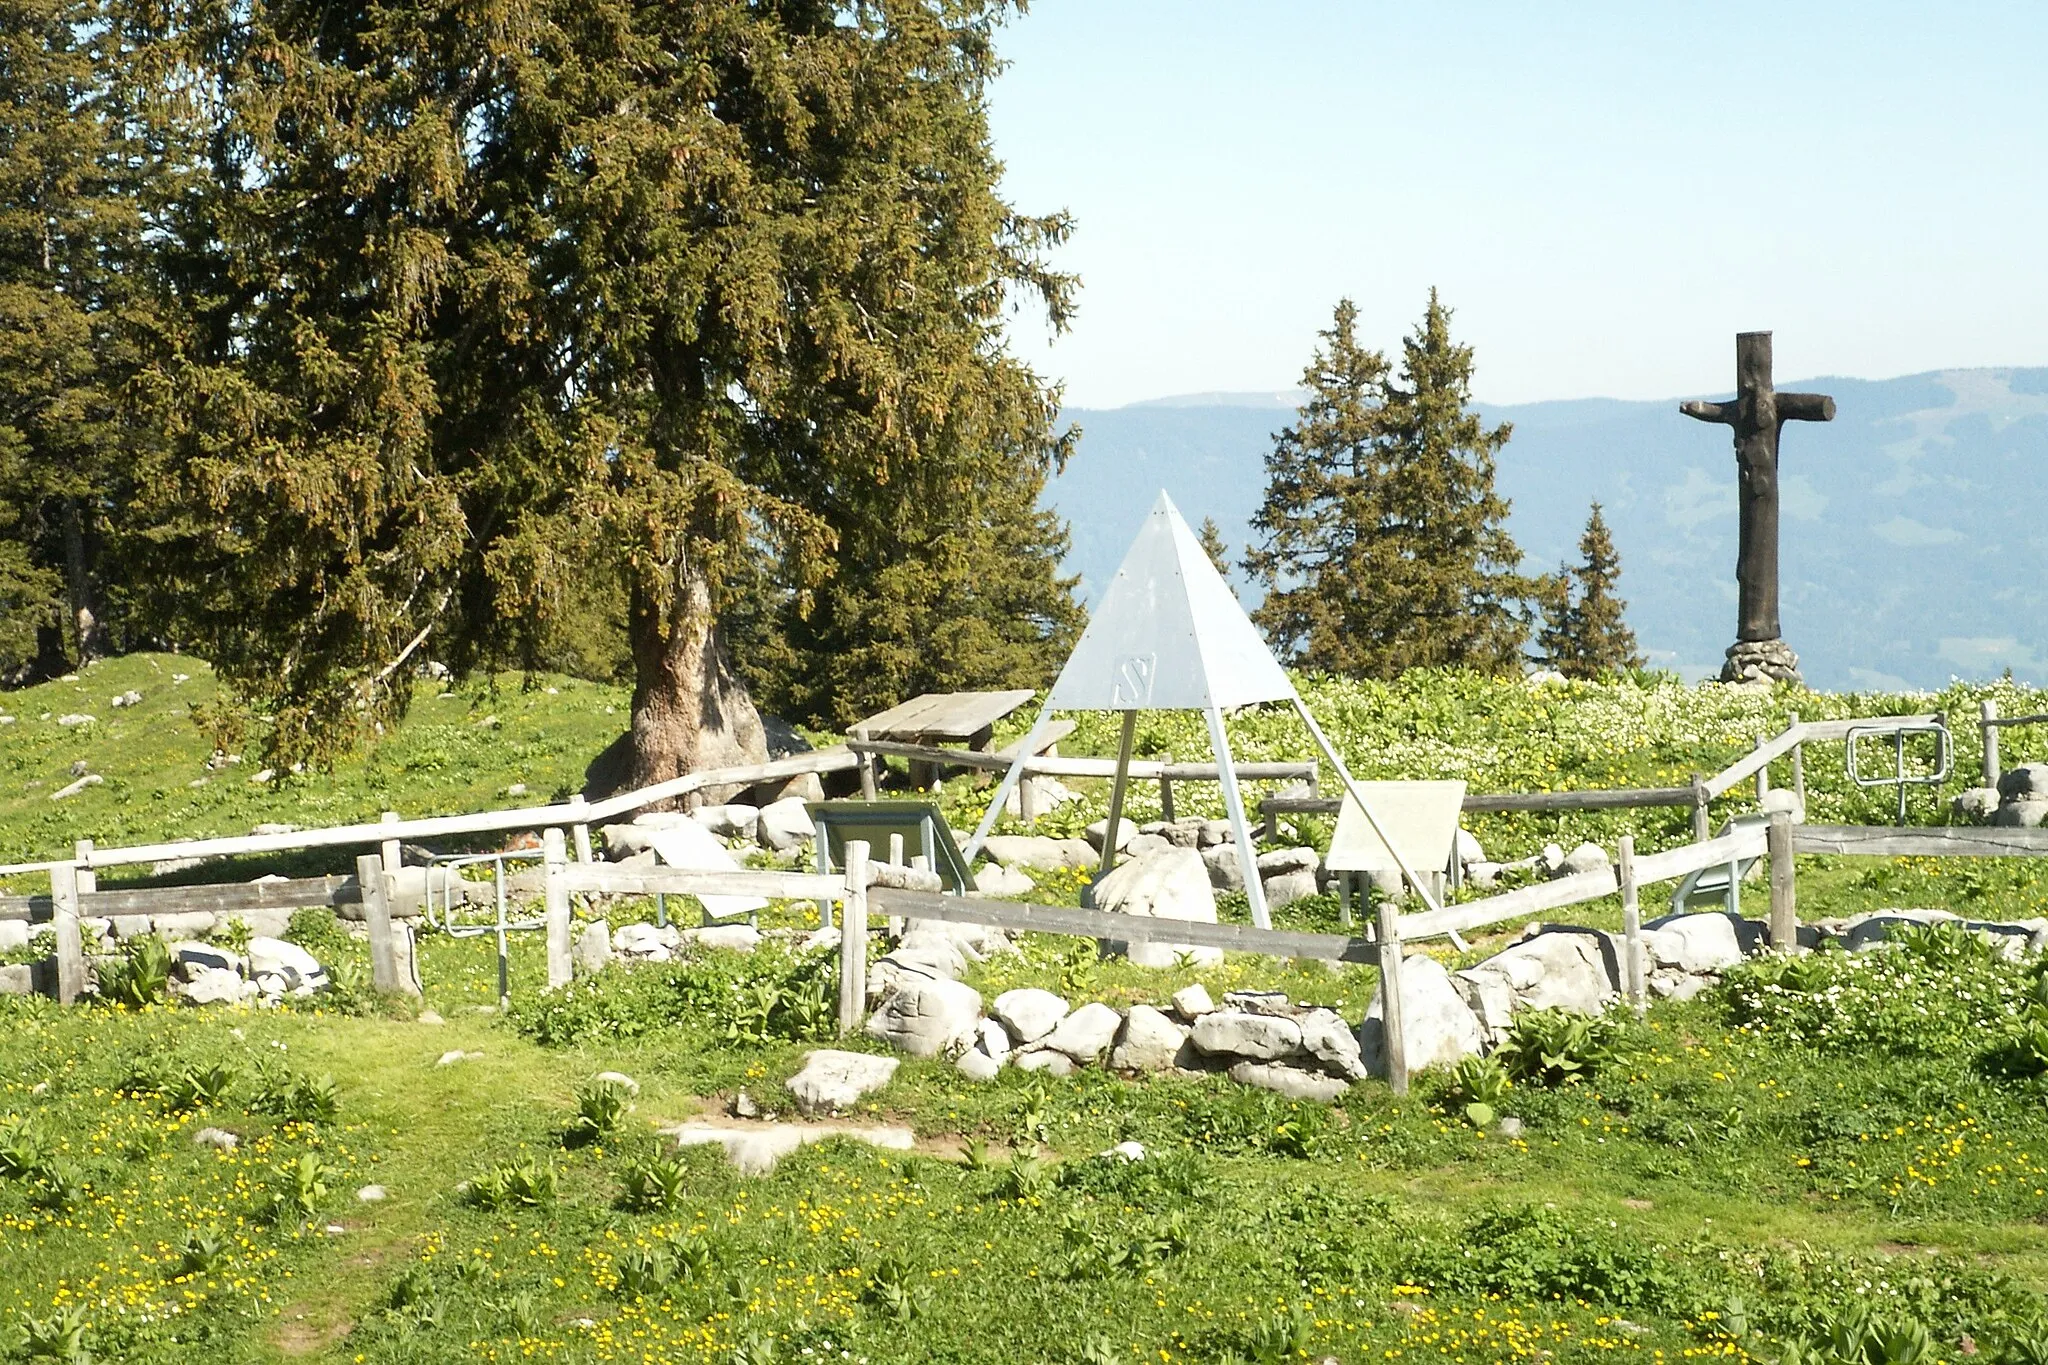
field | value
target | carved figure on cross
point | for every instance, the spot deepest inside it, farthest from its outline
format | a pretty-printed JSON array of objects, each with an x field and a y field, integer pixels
[{"x": 1757, "y": 413}]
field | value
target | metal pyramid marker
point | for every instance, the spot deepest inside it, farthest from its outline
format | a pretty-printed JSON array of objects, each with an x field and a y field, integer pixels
[{"x": 1169, "y": 634}]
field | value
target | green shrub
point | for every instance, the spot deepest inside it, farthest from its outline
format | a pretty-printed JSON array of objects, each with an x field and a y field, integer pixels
[
  {"x": 197, "y": 1087},
  {"x": 524, "y": 1184},
  {"x": 1937, "y": 993},
  {"x": 59, "y": 1337},
  {"x": 735, "y": 998},
  {"x": 600, "y": 1105},
  {"x": 1553, "y": 1047},
  {"x": 140, "y": 976},
  {"x": 654, "y": 1186},
  {"x": 298, "y": 1188},
  {"x": 295, "y": 1098},
  {"x": 1526, "y": 1252},
  {"x": 1479, "y": 1086}
]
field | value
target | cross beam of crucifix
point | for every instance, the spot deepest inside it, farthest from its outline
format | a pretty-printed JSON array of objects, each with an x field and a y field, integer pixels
[{"x": 1756, "y": 414}]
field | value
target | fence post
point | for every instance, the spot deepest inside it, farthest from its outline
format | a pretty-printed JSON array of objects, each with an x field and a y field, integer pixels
[
  {"x": 1987, "y": 712},
  {"x": 377, "y": 916},
  {"x": 70, "y": 945},
  {"x": 867, "y": 766},
  {"x": 1784, "y": 909},
  {"x": 1798, "y": 762},
  {"x": 554, "y": 876},
  {"x": 580, "y": 830},
  {"x": 390, "y": 850},
  {"x": 1763, "y": 776},
  {"x": 1165, "y": 798},
  {"x": 1390, "y": 995},
  {"x": 1699, "y": 809},
  {"x": 853, "y": 941},
  {"x": 1631, "y": 923},
  {"x": 88, "y": 880}
]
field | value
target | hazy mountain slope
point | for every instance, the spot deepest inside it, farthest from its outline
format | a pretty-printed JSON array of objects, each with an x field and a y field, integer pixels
[{"x": 1913, "y": 523}]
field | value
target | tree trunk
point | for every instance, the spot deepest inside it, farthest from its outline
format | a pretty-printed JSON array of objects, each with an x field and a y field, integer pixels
[
  {"x": 690, "y": 710},
  {"x": 86, "y": 635}
]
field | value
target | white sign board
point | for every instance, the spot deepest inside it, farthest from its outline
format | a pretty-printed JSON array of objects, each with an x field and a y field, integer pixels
[{"x": 1420, "y": 817}]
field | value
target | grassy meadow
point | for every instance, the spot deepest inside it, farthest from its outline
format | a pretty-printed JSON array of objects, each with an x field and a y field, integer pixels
[{"x": 1843, "y": 1161}]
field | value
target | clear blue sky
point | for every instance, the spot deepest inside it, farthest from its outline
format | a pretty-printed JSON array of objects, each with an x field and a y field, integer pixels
[{"x": 1604, "y": 192}]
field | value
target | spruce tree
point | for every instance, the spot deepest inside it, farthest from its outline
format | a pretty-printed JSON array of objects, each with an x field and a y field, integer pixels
[
  {"x": 1584, "y": 633},
  {"x": 702, "y": 299},
  {"x": 1382, "y": 540},
  {"x": 1211, "y": 536},
  {"x": 68, "y": 233}
]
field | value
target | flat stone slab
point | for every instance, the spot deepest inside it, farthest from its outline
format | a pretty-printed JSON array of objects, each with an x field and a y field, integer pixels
[
  {"x": 754, "y": 1149},
  {"x": 831, "y": 1080}
]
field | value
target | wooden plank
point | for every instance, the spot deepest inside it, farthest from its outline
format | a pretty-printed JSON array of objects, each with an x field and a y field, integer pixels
[
  {"x": 32, "y": 908},
  {"x": 1884, "y": 841},
  {"x": 384, "y": 974},
  {"x": 1621, "y": 798},
  {"x": 222, "y": 899},
  {"x": 1674, "y": 863},
  {"x": 853, "y": 942},
  {"x": 1754, "y": 762},
  {"x": 1550, "y": 895},
  {"x": 555, "y": 900},
  {"x": 70, "y": 941},
  {"x": 1049, "y": 919},
  {"x": 1784, "y": 906},
  {"x": 1393, "y": 1034},
  {"x": 1631, "y": 925},
  {"x": 1052, "y": 735},
  {"x": 605, "y": 879},
  {"x": 1821, "y": 730},
  {"x": 1141, "y": 769},
  {"x": 948, "y": 715}
]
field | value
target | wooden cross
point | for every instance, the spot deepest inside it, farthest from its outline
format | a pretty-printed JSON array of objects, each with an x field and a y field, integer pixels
[{"x": 1757, "y": 414}]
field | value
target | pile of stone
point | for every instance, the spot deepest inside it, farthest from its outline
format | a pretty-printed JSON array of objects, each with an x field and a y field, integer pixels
[
  {"x": 271, "y": 970},
  {"x": 1259, "y": 1038},
  {"x": 2019, "y": 801}
]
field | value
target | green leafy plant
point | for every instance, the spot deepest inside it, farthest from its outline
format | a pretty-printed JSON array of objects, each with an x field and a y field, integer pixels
[
  {"x": 897, "y": 1289},
  {"x": 600, "y": 1106},
  {"x": 24, "y": 1153},
  {"x": 524, "y": 1184},
  {"x": 295, "y": 1098},
  {"x": 299, "y": 1187},
  {"x": 1479, "y": 1086},
  {"x": 197, "y": 1087},
  {"x": 1280, "y": 1339},
  {"x": 59, "y": 1337},
  {"x": 643, "y": 1272},
  {"x": 654, "y": 1186},
  {"x": 201, "y": 1251},
  {"x": 235, "y": 935},
  {"x": 1553, "y": 1047},
  {"x": 140, "y": 976}
]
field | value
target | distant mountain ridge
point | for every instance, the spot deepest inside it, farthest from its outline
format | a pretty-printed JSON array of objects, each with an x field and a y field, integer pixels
[{"x": 1914, "y": 523}]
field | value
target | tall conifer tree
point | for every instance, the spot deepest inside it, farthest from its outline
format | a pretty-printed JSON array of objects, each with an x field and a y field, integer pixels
[
  {"x": 701, "y": 298},
  {"x": 1584, "y": 631},
  {"x": 1382, "y": 540}
]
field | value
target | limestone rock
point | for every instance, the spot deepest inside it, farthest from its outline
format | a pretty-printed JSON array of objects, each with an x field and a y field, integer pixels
[
  {"x": 1150, "y": 1041},
  {"x": 13, "y": 935},
  {"x": 1030, "y": 1013},
  {"x": 1079, "y": 855},
  {"x": 734, "y": 820},
  {"x": 372, "y": 1194},
  {"x": 1289, "y": 887},
  {"x": 1286, "y": 1080},
  {"x": 2026, "y": 812},
  {"x": 190, "y": 957},
  {"x": 1220, "y": 862},
  {"x": 1977, "y": 804},
  {"x": 1214, "y": 832},
  {"x": 220, "y": 1139},
  {"x": 786, "y": 824},
  {"x": 17, "y": 979},
  {"x": 1168, "y": 884},
  {"x": 1026, "y": 850},
  {"x": 1192, "y": 1002},
  {"x": 831, "y": 1081},
  {"x": 1701, "y": 942},
  {"x": 300, "y": 970},
  {"x": 1584, "y": 858},
  {"x": 1126, "y": 831},
  {"x": 997, "y": 880},
  {"x": 755, "y": 1150},
  {"x": 1437, "y": 1028},
  {"x": 1044, "y": 1059},
  {"x": 731, "y": 938},
  {"x": 1556, "y": 969},
  {"x": 992, "y": 1038},
  {"x": 1333, "y": 1043},
  {"x": 1469, "y": 849},
  {"x": 976, "y": 1065},
  {"x": 214, "y": 986},
  {"x": 1147, "y": 843},
  {"x": 926, "y": 1018},
  {"x": 1085, "y": 1034},
  {"x": 1282, "y": 860},
  {"x": 619, "y": 1079},
  {"x": 1239, "y": 1033},
  {"x": 593, "y": 948},
  {"x": 2027, "y": 780},
  {"x": 648, "y": 942}
]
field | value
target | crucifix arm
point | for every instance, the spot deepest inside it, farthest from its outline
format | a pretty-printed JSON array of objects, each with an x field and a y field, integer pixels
[
  {"x": 1710, "y": 412},
  {"x": 1805, "y": 407}
]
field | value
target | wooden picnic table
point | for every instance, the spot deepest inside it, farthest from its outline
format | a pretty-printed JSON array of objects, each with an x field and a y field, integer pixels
[{"x": 964, "y": 718}]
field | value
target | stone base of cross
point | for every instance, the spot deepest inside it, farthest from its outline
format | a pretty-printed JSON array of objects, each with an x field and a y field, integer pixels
[{"x": 1760, "y": 661}]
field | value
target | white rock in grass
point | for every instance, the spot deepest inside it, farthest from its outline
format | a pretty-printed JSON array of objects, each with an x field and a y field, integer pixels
[
  {"x": 620, "y": 1079},
  {"x": 833, "y": 1081},
  {"x": 926, "y": 1018},
  {"x": 1126, "y": 830},
  {"x": 1085, "y": 1034},
  {"x": 1151, "y": 1041},
  {"x": 1702, "y": 942},
  {"x": 1028, "y": 850},
  {"x": 1436, "y": 1025},
  {"x": 1044, "y": 1059},
  {"x": 1030, "y": 1013},
  {"x": 997, "y": 880},
  {"x": 1332, "y": 1042},
  {"x": 1289, "y": 887},
  {"x": 754, "y": 1151},
  {"x": 991, "y": 1037},
  {"x": 275, "y": 957},
  {"x": 977, "y": 1065},
  {"x": 1236, "y": 1033},
  {"x": 13, "y": 935},
  {"x": 1192, "y": 1002},
  {"x": 1171, "y": 883},
  {"x": 1286, "y": 1080},
  {"x": 213, "y": 986},
  {"x": 786, "y": 824},
  {"x": 1283, "y": 860},
  {"x": 454, "y": 1055},
  {"x": 372, "y": 1194},
  {"x": 220, "y": 1139}
]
